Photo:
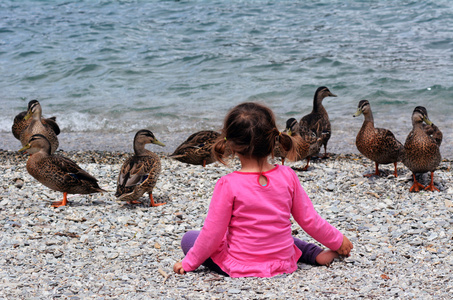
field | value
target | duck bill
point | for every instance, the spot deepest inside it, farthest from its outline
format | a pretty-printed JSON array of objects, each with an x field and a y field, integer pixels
[
  {"x": 357, "y": 113},
  {"x": 28, "y": 115},
  {"x": 159, "y": 143},
  {"x": 289, "y": 132},
  {"x": 332, "y": 95},
  {"x": 24, "y": 149},
  {"x": 427, "y": 121}
]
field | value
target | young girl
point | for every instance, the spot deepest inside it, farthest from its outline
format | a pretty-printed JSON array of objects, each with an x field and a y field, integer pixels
[{"x": 247, "y": 231}]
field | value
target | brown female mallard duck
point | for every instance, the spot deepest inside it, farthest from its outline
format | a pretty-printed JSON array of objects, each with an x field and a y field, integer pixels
[
  {"x": 421, "y": 149},
  {"x": 196, "y": 150},
  {"x": 318, "y": 120},
  {"x": 139, "y": 172},
  {"x": 278, "y": 149},
  {"x": 307, "y": 142},
  {"x": 377, "y": 144},
  {"x": 36, "y": 125},
  {"x": 57, "y": 172},
  {"x": 19, "y": 124}
]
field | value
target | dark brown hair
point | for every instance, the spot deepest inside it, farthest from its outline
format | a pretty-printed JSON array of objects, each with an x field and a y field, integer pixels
[{"x": 249, "y": 129}]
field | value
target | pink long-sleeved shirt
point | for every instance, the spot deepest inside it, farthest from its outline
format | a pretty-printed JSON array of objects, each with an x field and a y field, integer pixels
[{"x": 247, "y": 231}]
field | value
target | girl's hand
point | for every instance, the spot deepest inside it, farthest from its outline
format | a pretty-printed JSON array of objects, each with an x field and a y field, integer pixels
[
  {"x": 346, "y": 247},
  {"x": 178, "y": 269}
]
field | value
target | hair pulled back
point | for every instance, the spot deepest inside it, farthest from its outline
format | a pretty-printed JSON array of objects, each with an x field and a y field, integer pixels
[{"x": 250, "y": 129}]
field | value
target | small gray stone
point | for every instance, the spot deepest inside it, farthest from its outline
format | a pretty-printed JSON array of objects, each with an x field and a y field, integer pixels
[{"x": 234, "y": 291}]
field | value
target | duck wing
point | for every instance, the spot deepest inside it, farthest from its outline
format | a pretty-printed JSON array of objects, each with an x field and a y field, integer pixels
[
  {"x": 434, "y": 132},
  {"x": 134, "y": 171},
  {"x": 52, "y": 124}
]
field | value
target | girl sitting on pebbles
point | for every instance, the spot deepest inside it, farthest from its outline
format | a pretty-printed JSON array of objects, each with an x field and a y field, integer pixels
[{"x": 247, "y": 231}]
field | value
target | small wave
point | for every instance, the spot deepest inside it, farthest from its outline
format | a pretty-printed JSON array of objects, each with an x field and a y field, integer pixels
[
  {"x": 27, "y": 54},
  {"x": 35, "y": 77},
  {"x": 87, "y": 68}
]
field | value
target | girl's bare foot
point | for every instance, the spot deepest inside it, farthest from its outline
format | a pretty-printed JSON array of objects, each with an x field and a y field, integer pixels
[{"x": 326, "y": 257}]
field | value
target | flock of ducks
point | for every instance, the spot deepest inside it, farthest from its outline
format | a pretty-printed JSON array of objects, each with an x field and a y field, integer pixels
[
  {"x": 139, "y": 173},
  {"x": 420, "y": 153}
]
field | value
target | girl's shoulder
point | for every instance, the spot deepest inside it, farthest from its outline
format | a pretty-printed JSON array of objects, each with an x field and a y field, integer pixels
[
  {"x": 286, "y": 170},
  {"x": 227, "y": 178},
  {"x": 289, "y": 174}
]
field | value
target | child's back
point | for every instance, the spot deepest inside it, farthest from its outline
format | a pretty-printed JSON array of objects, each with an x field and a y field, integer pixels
[{"x": 247, "y": 231}]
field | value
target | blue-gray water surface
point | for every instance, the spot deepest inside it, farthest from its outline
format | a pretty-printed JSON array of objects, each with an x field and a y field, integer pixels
[{"x": 108, "y": 68}]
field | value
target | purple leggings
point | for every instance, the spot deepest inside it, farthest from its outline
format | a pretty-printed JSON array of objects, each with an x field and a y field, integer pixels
[{"x": 309, "y": 251}]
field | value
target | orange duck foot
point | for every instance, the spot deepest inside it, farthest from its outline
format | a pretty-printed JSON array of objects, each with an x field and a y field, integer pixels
[
  {"x": 134, "y": 202},
  {"x": 431, "y": 188},
  {"x": 62, "y": 202},
  {"x": 416, "y": 186},
  {"x": 306, "y": 167},
  {"x": 376, "y": 172},
  {"x": 151, "y": 202},
  {"x": 396, "y": 172}
]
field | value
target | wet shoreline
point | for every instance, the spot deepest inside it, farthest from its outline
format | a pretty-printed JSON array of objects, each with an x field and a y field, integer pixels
[{"x": 342, "y": 143}]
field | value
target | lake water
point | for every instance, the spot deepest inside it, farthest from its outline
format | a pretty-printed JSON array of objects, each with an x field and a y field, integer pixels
[{"x": 106, "y": 69}]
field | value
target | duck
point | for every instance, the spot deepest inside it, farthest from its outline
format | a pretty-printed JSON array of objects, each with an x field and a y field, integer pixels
[
  {"x": 279, "y": 152},
  {"x": 378, "y": 144},
  {"x": 308, "y": 144},
  {"x": 278, "y": 149},
  {"x": 19, "y": 124},
  {"x": 196, "y": 149},
  {"x": 140, "y": 172},
  {"x": 57, "y": 172},
  {"x": 318, "y": 120},
  {"x": 36, "y": 125},
  {"x": 422, "y": 153}
]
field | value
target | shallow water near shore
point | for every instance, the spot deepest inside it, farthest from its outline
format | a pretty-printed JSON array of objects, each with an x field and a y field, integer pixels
[{"x": 107, "y": 69}]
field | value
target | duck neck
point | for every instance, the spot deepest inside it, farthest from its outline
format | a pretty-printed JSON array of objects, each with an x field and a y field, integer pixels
[
  {"x": 317, "y": 104},
  {"x": 36, "y": 116},
  {"x": 139, "y": 148},
  {"x": 417, "y": 126},
  {"x": 44, "y": 152},
  {"x": 368, "y": 117}
]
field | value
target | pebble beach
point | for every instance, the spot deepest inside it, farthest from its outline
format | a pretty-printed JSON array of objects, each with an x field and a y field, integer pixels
[
  {"x": 98, "y": 248},
  {"x": 106, "y": 69}
]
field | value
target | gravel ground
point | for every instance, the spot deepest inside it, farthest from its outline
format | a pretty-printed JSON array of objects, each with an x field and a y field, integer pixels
[{"x": 99, "y": 248}]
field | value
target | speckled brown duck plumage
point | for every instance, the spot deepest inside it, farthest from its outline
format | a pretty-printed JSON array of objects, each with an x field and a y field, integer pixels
[
  {"x": 32, "y": 123},
  {"x": 307, "y": 142},
  {"x": 377, "y": 144},
  {"x": 196, "y": 150},
  {"x": 421, "y": 148},
  {"x": 19, "y": 124},
  {"x": 140, "y": 172},
  {"x": 318, "y": 120},
  {"x": 57, "y": 172}
]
